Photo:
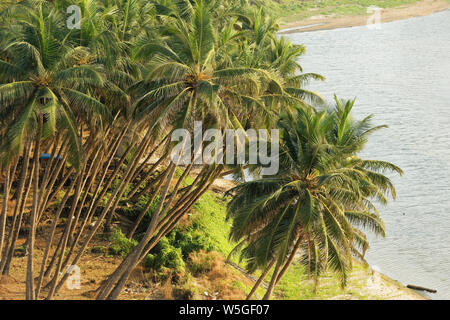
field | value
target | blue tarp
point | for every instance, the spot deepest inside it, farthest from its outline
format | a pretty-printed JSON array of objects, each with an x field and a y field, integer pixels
[{"x": 47, "y": 156}]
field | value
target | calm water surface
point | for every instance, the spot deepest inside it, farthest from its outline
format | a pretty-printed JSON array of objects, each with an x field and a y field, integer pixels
[{"x": 400, "y": 73}]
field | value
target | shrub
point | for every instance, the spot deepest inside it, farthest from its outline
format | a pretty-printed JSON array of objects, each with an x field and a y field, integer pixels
[
  {"x": 200, "y": 262},
  {"x": 98, "y": 249},
  {"x": 20, "y": 251},
  {"x": 120, "y": 245},
  {"x": 192, "y": 240},
  {"x": 172, "y": 250},
  {"x": 187, "y": 290},
  {"x": 165, "y": 256}
]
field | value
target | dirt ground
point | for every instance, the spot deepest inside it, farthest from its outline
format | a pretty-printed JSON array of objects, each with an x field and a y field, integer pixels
[
  {"x": 95, "y": 268},
  {"x": 215, "y": 284}
]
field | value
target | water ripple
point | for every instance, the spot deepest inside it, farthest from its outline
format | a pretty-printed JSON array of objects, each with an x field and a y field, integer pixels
[{"x": 400, "y": 73}]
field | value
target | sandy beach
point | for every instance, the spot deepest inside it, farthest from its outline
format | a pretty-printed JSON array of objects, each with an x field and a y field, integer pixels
[{"x": 321, "y": 22}]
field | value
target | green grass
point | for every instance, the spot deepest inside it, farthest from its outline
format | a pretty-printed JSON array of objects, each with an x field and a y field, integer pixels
[
  {"x": 294, "y": 10},
  {"x": 295, "y": 285},
  {"x": 210, "y": 216}
]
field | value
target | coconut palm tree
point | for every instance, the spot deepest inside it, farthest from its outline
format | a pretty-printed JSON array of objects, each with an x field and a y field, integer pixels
[
  {"x": 321, "y": 201},
  {"x": 42, "y": 74},
  {"x": 46, "y": 87}
]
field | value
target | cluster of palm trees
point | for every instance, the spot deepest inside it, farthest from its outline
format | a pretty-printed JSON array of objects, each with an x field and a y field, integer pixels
[
  {"x": 321, "y": 202},
  {"x": 85, "y": 112}
]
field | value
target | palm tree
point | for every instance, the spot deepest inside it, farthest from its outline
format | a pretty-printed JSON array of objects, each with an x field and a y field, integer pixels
[
  {"x": 321, "y": 200},
  {"x": 45, "y": 92},
  {"x": 181, "y": 84},
  {"x": 42, "y": 74}
]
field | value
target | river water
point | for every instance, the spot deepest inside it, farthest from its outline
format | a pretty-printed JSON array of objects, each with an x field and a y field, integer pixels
[{"x": 401, "y": 74}]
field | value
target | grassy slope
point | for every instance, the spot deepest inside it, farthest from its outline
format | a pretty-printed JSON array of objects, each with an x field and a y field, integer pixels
[
  {"x": 210, "y": 214},
  {"x": 293, "y": 10}
]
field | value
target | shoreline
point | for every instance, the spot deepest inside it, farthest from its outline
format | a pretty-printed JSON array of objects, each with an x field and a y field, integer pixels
[
  {"x": 321, "y": 22},
  {"x": 382, "y": 283},
  {"x": 386, "y": 284}
]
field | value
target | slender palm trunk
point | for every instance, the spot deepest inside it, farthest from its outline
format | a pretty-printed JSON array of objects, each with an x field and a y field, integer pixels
[
  {"x": 74, "y": 241},
  {"x": 147, "y": 206},
  {"x": 17, "y": 215},
  {"x": 117, "y": 193},
  {"x": 33, "y": 215},
  {"x": 4, "y": 209},
  {"x": 65, "y": 237},
  {"x": 272, "y": 281},
  {"x": 53, "y": 174},
  {"x": 126, "y": 180},
  {"x": 130, "y": 262},
  {"x": 123, "y": 271},
  {"x": 144, "y": 179},
  {"x": 147, "y": 159},
  {"x": 94, "y": 165},
  {"x": 289, "y": 260},
  {"x": 51, "y": 235},
  {"x": 260, "y": 279},
  {"x": 97, "y": 198}
]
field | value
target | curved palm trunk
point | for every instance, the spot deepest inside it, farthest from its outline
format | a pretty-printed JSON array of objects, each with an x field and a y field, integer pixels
[
  {"x": 272, "y": 282},
  {"x": 65, "y": 237},
  {"x": 117, "y": 193},
  {"x": 132, "y": 195},
  {"x": 74, "y": 242},
  {"x": 54, "y": 173},
  {"x": 18, "y": 213},
  {"x": 94, "y": 165},
  {"x": 147, "y": 159},
  {"x": 97, "y": 198},
  {"x": 126, "y": 180},
  {"x": 121, "y": 274},
  {"x": 147, "y": 206},
  {"x": 44, "y": 273},
  {"x": 33, "y": 215},
  {"x": 4, "y": 209},
  {"x": 289, "y": 260},
  {"x": 260, "y": 279},
  {"x": 133, "y": 258}
]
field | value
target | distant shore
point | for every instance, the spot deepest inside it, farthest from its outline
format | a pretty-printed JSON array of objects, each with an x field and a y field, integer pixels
[{"x": 322, "y": 22}]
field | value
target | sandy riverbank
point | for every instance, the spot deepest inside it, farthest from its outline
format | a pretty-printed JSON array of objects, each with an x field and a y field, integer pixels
[
  {"x": 321, "y": 22},
  {"x": 380, "y": 286}
]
